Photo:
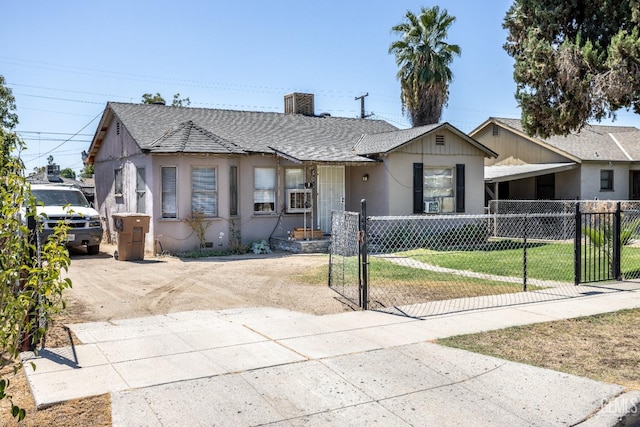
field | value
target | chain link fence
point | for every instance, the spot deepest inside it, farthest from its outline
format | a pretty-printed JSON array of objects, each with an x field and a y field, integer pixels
[
  {"x": 344, "y": 251},
  {"x": 433, "y": 264}
]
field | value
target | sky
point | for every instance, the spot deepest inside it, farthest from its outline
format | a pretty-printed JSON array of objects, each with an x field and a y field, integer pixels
[{"x": 65, "y": 60}]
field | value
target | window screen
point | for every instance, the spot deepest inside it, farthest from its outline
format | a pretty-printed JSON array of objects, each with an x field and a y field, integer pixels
[
  {"x": 204, "y": 191},
  {"x": 264, "y": 192},
  {"x": 169, "y": 199}
]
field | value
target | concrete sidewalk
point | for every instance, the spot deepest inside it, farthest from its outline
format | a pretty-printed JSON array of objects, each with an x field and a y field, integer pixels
[{"x": 268, "y": 366}]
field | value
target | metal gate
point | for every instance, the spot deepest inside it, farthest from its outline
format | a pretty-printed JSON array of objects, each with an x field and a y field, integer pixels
[
  {"x": 344, "y": 256},
  {"x": 601, "y": 243},
  {"x": 597, "y": 246}
]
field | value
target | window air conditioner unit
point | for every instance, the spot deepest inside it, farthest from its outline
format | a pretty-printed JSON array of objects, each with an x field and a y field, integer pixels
[
  {"x": 432, "y": 206},
  {"x": 299, "y": 201}
]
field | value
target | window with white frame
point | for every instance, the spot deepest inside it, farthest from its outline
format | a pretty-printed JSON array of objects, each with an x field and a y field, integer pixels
[
  {"x": 298, "y": 197},
  {"x": 204, "y": 196},
  {"x": 264, "y": 190},
  {"x": 169, "y": 192},
  {"x": 438, "y": 190}
]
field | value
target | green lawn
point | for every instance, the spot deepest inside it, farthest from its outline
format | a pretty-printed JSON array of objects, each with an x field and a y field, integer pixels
[
  {"x": 433, "y": 285},
  {"x": 548, "y": 261},
  {"x": 545, "y": 261}
]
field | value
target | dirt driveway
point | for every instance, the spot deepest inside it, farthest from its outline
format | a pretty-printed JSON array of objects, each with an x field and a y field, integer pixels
[{"x": 105, "y": 289}]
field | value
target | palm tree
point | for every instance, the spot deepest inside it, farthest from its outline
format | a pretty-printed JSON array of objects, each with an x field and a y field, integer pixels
[{"x": 424, "y": 58}]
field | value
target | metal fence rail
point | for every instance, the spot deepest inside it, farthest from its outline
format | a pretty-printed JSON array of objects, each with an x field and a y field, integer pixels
[{"x": 432, "y": 264}]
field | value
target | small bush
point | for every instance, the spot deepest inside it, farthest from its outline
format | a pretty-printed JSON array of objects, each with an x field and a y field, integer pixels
[{"x": 260, "y": 247}]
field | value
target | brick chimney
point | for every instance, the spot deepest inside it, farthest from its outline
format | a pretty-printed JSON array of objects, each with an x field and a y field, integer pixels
[{"x": 299, "y": 103}]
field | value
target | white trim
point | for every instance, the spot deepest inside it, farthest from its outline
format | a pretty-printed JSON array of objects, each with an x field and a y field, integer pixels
[{"x": 299, "y": 196}]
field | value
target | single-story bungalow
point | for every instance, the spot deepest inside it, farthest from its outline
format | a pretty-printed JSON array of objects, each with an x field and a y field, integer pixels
[{"x": 256, "y": 175}]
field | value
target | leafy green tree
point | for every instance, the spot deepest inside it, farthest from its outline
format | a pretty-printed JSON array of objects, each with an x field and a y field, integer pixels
[
  {"x": 180, "y": 102},
  {"x": 68, "y": 173},
  {"x": 424, "y": 58},
  {"x": 31, "y": 283},
  {"x": 574, "y": 61},
  {"x": 87, "y": 171},
  {"x": 147, "y": 98}
]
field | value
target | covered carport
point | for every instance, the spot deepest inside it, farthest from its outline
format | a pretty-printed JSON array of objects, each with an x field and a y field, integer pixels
[{"x": 525, "y": 182}]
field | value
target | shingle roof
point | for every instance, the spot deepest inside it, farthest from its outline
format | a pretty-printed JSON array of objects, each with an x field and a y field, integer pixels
[
  {"x": 189, "y": 138},
  {"x": 593, "y": 142},
  {"x": 160, "y": 128},
  {"x": 385, "y": 142},
  {"x": 389, "y": 141}
]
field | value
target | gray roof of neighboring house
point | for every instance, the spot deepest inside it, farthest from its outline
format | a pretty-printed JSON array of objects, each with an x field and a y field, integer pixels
[
  {"x": 165, "y": 129},
  {"x": 593, "y": 142}
]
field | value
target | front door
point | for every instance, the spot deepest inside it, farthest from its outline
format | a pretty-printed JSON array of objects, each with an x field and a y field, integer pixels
[{"x": 330, "y": 181}]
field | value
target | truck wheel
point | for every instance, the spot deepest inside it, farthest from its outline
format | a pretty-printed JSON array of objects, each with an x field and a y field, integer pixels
[{"x": 93, "y": 250}]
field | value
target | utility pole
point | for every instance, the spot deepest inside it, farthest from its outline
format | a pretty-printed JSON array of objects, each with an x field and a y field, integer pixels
[{"x": 361, "y": 98}]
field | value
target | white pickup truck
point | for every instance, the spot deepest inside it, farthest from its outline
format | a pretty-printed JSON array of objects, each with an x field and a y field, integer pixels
[{"x": 55, "y": 203}]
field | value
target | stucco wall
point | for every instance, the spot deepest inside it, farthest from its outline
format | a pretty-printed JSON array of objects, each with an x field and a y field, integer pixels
[
  {"x": 590, "y": 181},
  {"x": 375, "y": 190},
  {"x": 568, "y": 184},
  {"x": 176, "y": 235}
]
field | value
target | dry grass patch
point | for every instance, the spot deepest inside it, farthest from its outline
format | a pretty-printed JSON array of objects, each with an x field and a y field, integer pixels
[
  {"x": 602, "y": 347},
  {"x": 92, "y": 411}
]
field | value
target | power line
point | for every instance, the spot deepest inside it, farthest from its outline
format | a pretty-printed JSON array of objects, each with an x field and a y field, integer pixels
[
  {"x": 54, "y": 133},
  {"x": 69, "y": 91},
  {"x": 60, "y": 145},
  {"x": 59, "y": 99},
  {"x": 53, "y": 139},
  {"x": 54, "y": 112},
  {"x": 168, "y": 80}
]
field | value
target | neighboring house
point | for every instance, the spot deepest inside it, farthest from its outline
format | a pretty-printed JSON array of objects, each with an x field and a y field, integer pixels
[
  {"x": 255, "y": 175},
  {"x": 599, "y": 162}
]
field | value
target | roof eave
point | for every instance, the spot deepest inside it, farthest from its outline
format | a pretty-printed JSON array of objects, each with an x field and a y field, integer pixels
[
  {"x": 530, "y": 174},
  {"x": 286, "y": 156},
  {"x": 101, "y": 131}
]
